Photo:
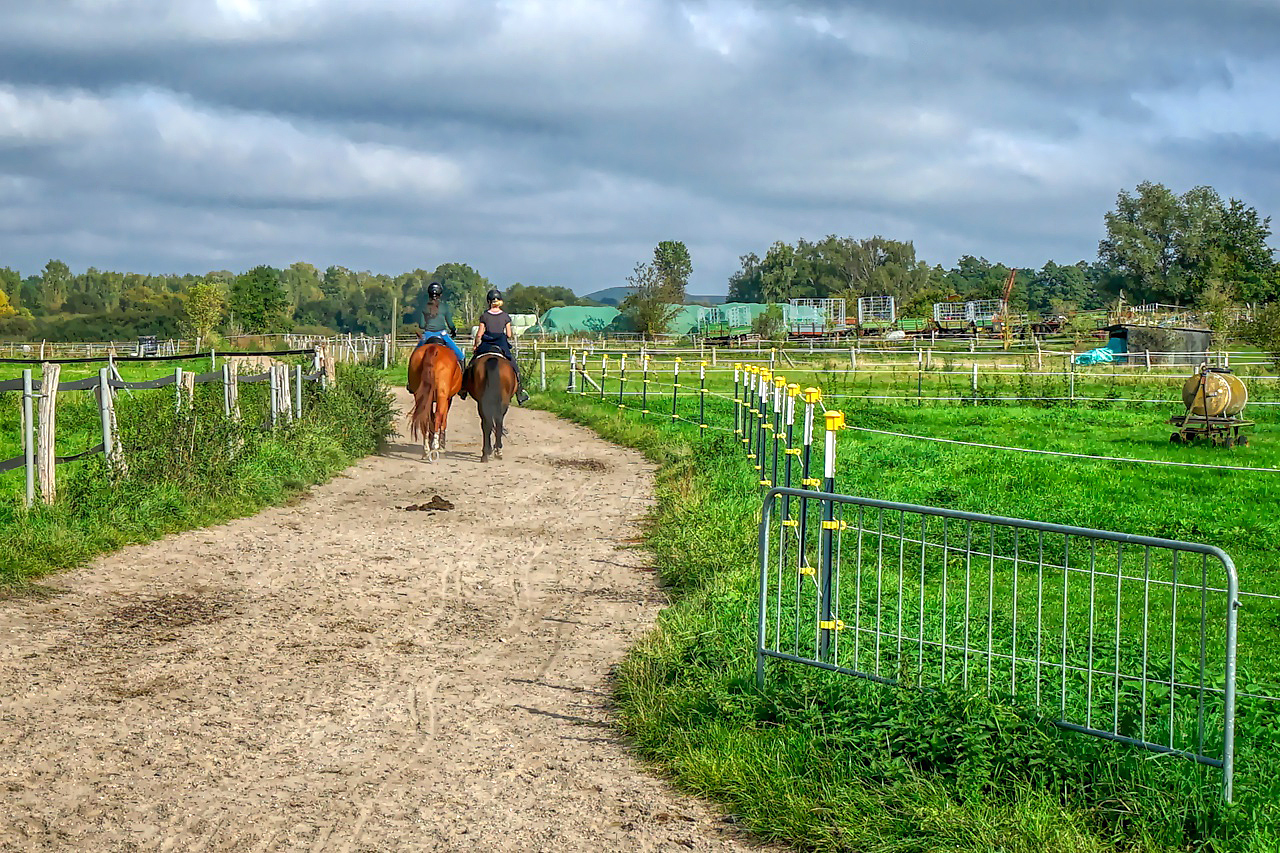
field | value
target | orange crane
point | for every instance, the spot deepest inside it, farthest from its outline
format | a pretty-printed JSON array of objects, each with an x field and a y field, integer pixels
[{"x": 1006, "y": 321}]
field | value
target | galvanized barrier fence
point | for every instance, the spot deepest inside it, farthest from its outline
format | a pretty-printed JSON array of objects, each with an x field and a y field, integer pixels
[{"x": 1123, "y": 637}]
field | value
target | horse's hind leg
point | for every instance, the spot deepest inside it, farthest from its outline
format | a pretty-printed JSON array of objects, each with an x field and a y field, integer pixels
[
  {"x": 498, "y": 432},
  {"x": 486, "y": 430}
]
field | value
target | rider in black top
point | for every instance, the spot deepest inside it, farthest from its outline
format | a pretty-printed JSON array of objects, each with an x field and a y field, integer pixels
[{"x": 494, "y": 333}]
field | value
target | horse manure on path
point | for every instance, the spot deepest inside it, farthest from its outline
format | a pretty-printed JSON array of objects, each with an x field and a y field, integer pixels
[
  {"x": 436, "y": 503},
  {"x": 581, "y": 464}
]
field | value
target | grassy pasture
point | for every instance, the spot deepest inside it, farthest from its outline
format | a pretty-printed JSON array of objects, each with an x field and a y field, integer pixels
[{"x": 831, "y": 762}]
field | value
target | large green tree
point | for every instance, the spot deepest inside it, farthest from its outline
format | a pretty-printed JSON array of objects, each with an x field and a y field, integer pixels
[
  {"x": 647, "y": 307},
  {"x": 1167, "y": 247},
  {"x": 258, "y": 300},
  {"x": 673, "y": 266},
  {"x": 204, "y": 305},
  {"x": 55, "y": 284}
]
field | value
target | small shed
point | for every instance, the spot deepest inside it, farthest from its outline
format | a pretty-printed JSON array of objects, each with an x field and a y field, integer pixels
[{"x": 1166, "y": 345}]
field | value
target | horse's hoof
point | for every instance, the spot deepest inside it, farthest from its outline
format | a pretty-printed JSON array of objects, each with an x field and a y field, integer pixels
[
  {"x": 497, "y": 454},
  {"x": 484, "y": 458}
]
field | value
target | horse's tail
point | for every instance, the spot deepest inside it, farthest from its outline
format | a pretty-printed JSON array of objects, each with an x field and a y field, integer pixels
[
  {"x": 492, "y": 399},
  {"x": 423, "y": 397}
]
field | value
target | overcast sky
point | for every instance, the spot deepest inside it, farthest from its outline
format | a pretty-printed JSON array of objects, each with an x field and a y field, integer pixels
[{"x": 556, "y": 141}]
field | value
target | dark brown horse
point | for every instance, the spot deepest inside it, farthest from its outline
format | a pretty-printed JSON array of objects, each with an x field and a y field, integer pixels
[
  {"x": 491, "y": 381},
  {"x": 435, "y": 376}
]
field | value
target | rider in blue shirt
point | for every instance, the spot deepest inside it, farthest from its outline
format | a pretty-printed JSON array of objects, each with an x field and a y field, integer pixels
[{"x": 437, "y": 322}]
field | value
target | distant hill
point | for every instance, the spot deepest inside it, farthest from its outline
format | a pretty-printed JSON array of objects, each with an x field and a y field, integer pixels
[
  {"x": 614, "y": 296},
  {"x": 609, "y": 296},
  {"x": 704, "y": 299}
]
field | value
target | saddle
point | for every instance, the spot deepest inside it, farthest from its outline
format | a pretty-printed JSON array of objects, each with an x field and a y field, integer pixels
[
  {"x": 433, "y": 339},
  {"x": 487, "y": 348}
]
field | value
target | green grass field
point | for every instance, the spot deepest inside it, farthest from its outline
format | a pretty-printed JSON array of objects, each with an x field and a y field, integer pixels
[{"x": 803, "y": 762}]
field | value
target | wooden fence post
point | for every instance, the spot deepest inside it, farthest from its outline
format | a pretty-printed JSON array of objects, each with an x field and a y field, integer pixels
[
  {"x": 29, "y": 435},
  {"x": 326, "y": 364},
  {"x": 297, "y": 387},
  {"x": 104, "y": 413},
  {"x": 187, "y": 390},
  {"x": 177, "y": 389},
  {"x": 282, "y": 384},
  {"x": 232, "y": 389},
  {"x": 45, "y": 451},
  {"x": 542, "y": 367}
]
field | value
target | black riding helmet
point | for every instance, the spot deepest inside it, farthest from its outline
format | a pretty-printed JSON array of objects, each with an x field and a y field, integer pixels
[
  {"x": 435, "y": 289},
  {"x": 493, "y": 295}
]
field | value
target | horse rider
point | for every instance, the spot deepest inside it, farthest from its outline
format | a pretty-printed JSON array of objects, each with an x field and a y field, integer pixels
[
  {"x": 437, "y": 322},
  {"x": 494, "y": 333}
]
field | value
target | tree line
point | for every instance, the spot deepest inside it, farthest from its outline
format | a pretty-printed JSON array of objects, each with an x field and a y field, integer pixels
[
  {"x": 57, "y": 304},
  {"x": 1194, "y": 249}
]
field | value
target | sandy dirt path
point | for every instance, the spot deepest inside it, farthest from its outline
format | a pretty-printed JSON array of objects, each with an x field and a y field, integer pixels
[{"x": 343, "y": 674}]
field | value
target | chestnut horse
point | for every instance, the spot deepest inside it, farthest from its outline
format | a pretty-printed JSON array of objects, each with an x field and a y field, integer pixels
[
  {"x": 435, "y": 376},
  {"x": 491, "y": 380}
]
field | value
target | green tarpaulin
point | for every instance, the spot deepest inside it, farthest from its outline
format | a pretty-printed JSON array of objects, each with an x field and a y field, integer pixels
[{"x": 576, "y": 319}]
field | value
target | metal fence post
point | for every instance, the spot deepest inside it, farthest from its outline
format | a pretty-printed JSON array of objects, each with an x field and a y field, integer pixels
[
  {"x": 274, "y": 394},
  {"x": 779, "y": 383},
  {"x": 644, "y": 385},
  {"x": 762, "y": 422},
  {"x": 297, "y": 387},
  {"x": 622, "y": 379},
  {"x": 791, "y": 451},
  {"x": 573, "y": 367},
  {"x": 177, "y": 389},
  {"x": 29, "y": 435},
  {"x": 748, "y": 418},
  {"x": 604, "y": 372},
  {"x": 811, "y": 398},
  {"x": 542, "y": 367},
  {"x": 702, "y": 395},
  {"x": 827, "y": 623},
  {"x": 737, "y": 398},
  {"x": 675, "y": 388}
]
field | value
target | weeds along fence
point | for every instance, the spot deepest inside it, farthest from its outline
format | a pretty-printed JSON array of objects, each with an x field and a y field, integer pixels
[
  {"x": 39, "y": 408},
  {"x": 1128, "y": 638}
]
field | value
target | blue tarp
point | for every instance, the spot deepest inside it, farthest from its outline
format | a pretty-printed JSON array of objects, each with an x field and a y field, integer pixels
[{"x": 1101, "y": 355}]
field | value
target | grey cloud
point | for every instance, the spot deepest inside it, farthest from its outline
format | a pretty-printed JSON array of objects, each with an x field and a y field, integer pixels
[{"x": 569, "y": 142}]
